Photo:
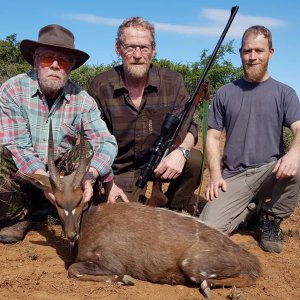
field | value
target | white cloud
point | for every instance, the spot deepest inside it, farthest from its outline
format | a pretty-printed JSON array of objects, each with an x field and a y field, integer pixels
[
  {"x": 217, "y": 17},
  {"x": 89, "y": 18},
  {"x": 241, "y": 22}
]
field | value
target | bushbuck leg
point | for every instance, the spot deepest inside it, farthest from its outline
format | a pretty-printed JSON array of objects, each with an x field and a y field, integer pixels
[{"x": 91, "y": 271}]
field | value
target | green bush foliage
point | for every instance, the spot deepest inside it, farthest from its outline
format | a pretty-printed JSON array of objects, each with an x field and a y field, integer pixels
[{"x": 221, "y": 72}]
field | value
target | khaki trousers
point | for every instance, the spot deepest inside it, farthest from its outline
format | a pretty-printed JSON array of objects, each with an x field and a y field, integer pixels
[{"x": 231, "y": 208}]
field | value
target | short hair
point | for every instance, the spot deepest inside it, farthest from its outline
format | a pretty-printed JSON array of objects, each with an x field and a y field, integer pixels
[
  {"x": 136, "y": 22},
  {"x": 258, "y": 30}
]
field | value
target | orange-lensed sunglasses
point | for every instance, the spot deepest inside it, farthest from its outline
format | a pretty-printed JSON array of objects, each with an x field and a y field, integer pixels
[{"x": 48, "y": 60}]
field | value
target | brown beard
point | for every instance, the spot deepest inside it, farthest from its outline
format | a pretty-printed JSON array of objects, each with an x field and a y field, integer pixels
[{"x": 255, "y": 73}]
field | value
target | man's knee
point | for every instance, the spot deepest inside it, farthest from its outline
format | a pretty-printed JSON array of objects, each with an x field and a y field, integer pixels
[
  {"x": 14, "y": 206},
  {"x": 194, "y": 165},
  {"x": 212, "y": 217}
]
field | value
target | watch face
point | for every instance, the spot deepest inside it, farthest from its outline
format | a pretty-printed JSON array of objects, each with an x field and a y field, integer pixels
[{"x": 187, "y": 154}]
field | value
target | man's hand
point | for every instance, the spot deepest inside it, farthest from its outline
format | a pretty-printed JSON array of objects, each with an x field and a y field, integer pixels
[
  {"x": 287, "y": 165},
  {"x": 113, "y": 192},
  {"x": 87, "y": 190},
  {"x": 171, "y": 166},
  {"x": 47, "y": 193},
  {"x": 212, "y": 190}
]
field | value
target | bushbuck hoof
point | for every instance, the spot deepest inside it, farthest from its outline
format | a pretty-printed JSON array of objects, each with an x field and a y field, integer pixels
[
  {"x": 204, "y": 289},
  {"x": 128, "y": 280}
]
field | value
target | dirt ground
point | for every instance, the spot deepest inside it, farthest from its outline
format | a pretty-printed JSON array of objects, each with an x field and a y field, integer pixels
[{"x": 36, "y": 269}]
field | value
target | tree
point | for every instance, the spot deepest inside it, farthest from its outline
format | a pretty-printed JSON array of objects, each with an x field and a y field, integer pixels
[
  {"x": 83, "y": 75},
  {"x": 11, "y": 60},
  {"x": 221, "y": 72}
]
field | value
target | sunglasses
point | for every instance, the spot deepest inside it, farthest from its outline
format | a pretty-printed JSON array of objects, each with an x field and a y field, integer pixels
[{"x": 48, "y": 60}]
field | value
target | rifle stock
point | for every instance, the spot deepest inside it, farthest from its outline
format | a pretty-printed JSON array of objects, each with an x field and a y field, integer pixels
[{"x": 172, "y": 124}]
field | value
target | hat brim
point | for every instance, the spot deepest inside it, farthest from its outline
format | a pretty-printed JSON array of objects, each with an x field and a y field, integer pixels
[{"x": 28, "y": 47}]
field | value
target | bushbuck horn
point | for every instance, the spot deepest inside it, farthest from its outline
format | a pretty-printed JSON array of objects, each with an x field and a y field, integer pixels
[
  {"x": 53, "y": 173},
  {"x": 82, "y": 167},
  {"x": 67, "y": 189}
]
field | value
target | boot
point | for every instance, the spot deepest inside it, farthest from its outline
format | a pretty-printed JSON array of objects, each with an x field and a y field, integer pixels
[
  {"x": 271, "y": 236},
  {"x": 15, "y": 232}
]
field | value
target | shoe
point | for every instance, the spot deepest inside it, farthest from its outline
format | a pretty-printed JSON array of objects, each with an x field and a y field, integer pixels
[
  {"x": 271, "y": 236},
  {"x": 14, "y": 233}
]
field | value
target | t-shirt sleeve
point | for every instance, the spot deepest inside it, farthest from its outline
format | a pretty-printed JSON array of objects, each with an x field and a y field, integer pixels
[{"x": 216, "y": 114}]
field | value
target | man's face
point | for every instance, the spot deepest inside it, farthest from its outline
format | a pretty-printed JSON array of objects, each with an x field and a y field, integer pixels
[
  {"x": 53, "y": 66},
  {"x": 255, "y": 55},
  {"x": 136, "y": 51}
]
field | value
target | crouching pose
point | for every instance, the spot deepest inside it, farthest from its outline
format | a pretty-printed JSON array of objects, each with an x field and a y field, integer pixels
[
  {"x": 253, "y": 111},
  {"x": 28, "y": 102}
]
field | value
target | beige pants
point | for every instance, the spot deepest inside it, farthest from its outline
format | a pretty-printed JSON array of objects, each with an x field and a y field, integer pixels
[{"x": 232, "y": 207}]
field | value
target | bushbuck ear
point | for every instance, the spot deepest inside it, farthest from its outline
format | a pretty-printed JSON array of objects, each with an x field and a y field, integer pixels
[{"x": 40, "y": 181}]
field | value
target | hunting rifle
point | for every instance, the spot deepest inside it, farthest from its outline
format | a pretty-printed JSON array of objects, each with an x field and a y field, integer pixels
[{"x": 172, "y": 124}]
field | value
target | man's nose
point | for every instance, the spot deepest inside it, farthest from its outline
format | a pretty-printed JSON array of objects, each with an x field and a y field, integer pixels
[
  {"x": 137, "y": 52},
  {"x": 253, "y": 54}
]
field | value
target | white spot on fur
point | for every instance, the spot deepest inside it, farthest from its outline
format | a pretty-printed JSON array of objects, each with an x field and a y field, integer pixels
[
  {"x": 66, "y": 212},
  {"x": 197, "y": 256},
  {"x": 212, "y": 276},
  {"x": 73, "y": 211},
  {"x": 185, "y": 262},
  {"x": 78, "y": 275},
  {"x": 193, "y": 279},
  {"x": 204, "y": 274},
  {"x": 116, "y": 276},
  {"x": 108, "y": 280}
]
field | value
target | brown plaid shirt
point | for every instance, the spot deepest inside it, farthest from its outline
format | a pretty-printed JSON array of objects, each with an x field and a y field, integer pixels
[{"x": 136, "y": 130}]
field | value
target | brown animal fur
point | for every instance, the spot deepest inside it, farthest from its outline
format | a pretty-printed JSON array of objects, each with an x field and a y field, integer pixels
[
  {"x": 124, "y": 240},
  {"x": 158, "y": 245}
]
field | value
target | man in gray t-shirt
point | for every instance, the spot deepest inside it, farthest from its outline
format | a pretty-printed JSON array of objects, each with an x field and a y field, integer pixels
[{"x": 253, "y": 111}]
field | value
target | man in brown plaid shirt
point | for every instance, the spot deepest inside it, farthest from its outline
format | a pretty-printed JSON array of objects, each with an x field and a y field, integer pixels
[{"x": 135, "y": 98}]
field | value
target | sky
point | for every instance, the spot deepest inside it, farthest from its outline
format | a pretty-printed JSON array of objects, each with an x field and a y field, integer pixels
[{"x": 183, "y": 28}]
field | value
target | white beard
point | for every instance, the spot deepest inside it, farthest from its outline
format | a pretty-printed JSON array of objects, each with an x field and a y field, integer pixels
[
  {"x": 50, "y": 87},
  {"x": 136, "y": 71}
]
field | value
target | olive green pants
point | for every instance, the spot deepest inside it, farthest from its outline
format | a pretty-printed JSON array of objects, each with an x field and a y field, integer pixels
[{"x": 181, "y": 189}]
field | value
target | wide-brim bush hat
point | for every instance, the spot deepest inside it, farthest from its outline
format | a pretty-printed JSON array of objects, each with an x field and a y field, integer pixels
[{"x": 55, "y": 36}]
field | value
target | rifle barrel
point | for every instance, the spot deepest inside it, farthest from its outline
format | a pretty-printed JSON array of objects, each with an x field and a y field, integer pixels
[{"x": 163, "y": 148}]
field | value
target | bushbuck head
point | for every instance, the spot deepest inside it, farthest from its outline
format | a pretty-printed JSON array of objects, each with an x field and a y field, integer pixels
[{"x": 67, "y": 189}]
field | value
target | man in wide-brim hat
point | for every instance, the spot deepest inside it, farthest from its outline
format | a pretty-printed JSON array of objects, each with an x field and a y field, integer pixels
[
  {"x": 58, "y": 37},
  {"x": 28, "y": 103}
]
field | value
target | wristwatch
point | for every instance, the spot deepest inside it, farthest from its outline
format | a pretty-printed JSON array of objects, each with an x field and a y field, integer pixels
[{"x": 186, "y": 153}]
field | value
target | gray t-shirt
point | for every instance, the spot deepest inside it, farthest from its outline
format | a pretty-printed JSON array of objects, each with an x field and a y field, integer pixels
[{"x": 253, "y": 115}]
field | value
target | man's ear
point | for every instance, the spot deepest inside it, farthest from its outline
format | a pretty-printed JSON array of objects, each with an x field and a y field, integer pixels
[
  {"x": 40, "y": 181},
  {"x": 118, "y": 49},
  {"x": 153, "y": 52}
]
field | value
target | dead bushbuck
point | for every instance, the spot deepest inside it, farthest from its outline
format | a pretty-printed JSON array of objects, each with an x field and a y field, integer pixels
[{"x": 121, "y": 241}]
